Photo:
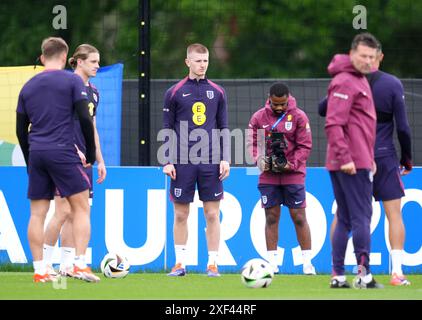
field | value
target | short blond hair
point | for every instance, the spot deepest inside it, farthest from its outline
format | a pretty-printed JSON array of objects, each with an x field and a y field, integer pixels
[
  {"x": 196, "y": 47},
  {"x": 53, "y": 46}
]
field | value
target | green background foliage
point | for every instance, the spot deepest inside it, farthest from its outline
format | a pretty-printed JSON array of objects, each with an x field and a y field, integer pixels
[
  {"x": 109, "y": 25},
  {"x": 281, "y": 38},
  {"x": 247, "y": 38}
]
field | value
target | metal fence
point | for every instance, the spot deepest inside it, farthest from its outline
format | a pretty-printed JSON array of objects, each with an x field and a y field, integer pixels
[{"x": 244, "y": 98}]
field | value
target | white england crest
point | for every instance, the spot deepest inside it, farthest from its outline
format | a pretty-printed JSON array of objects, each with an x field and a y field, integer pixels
[
  {"x": 95, "y": 97},
  {"x": 177, "y": 192},
  {"x": 288, "y": 125},
  {"x": 264, "y": 199},
  {"x": 210, "y": 94}
]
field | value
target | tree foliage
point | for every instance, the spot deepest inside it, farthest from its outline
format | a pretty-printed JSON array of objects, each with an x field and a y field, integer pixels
[
  {"x": 247, "y": 38},
  {"x": 280, "y": 38},
  {"x": 109, "y": 25}
]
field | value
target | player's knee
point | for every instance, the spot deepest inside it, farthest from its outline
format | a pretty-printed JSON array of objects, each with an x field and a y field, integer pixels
[
  {"x": 180, "y": 219},
  {"x": 211, "y": 216},
  {"x": 271, "y": 220},
  {"x": 62, "y": 215},
  {"x": 60, "y": 220},
  {"x": 299, "y": 218},
  {"x": 181, "y": 216},
  {"x": 271, "y": 216},
  {"x": 300, "y": 222}
]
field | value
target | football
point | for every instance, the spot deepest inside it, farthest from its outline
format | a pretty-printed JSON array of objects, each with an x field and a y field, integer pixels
[
  {"x": 257, "y": 273},
  {"x": 115, "y": 265}
]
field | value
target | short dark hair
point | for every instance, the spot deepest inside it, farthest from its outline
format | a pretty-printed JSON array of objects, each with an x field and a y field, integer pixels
[
  {"x": 279, "y": 89},
  {"x": 366, "y": 39}
]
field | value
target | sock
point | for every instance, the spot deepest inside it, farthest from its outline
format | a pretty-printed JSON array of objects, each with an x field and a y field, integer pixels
[
  {"x": 272, "y": 257},
  {"x": 212, "y": 258},
  {"x": 180, "y": 254},
  {"x": 80, "y": 261},
  {"x": 396, "y": 259},
  {"x": 39, "y": 267},
  {"x": 367, "y": 278},
  {"x": 306, "y": 255},
  {"x": 48, "y": 254},
  {"x": 66, "y": 257}
]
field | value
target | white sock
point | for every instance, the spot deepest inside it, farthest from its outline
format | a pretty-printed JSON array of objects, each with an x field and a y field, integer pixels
[
  {"x": 47, "y": 254},
  {"x": 180, "y": 251},
  {"x": 67, "y": 255},
  {"x": 80, "y": 261},
  {"x": 212, "y": 258},
  {"x": 39, "y": 267},
  {"x": 367, "y": 278},
  {"x": 306, "y": 255},
  {"x": 273, "y": 259},
  {"x": 396, "y": 259},
  {"x": 272, "y": 256}
]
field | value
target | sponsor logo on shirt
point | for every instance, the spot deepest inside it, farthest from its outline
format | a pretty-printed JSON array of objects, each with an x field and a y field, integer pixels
[
  {"x": 91, "y": 108},
  {"x": 186, "y": 94},
  {"x": 166, "y": 109},
  {"x": 340, "y": 95},
  {"x": 83, "y": 93},
  {"x": 265, "y": 125},
  {"x": 210, "y": 94},
  {"x": 198, "y": 110}
]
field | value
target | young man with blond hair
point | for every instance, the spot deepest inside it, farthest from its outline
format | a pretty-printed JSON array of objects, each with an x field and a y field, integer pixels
[
  {"x": 196, "y": 104},
  {"x": 85, "y": 61}
]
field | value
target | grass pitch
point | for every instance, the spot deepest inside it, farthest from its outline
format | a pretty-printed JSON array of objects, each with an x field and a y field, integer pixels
[{"x": 157, "y": 286}]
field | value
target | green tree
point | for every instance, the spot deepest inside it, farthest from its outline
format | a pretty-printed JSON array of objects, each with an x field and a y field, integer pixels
[
  {"x": 110, "y": 25},
  {"x": 280, "y": 38},
  {"x": 247, "y": 38}
]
